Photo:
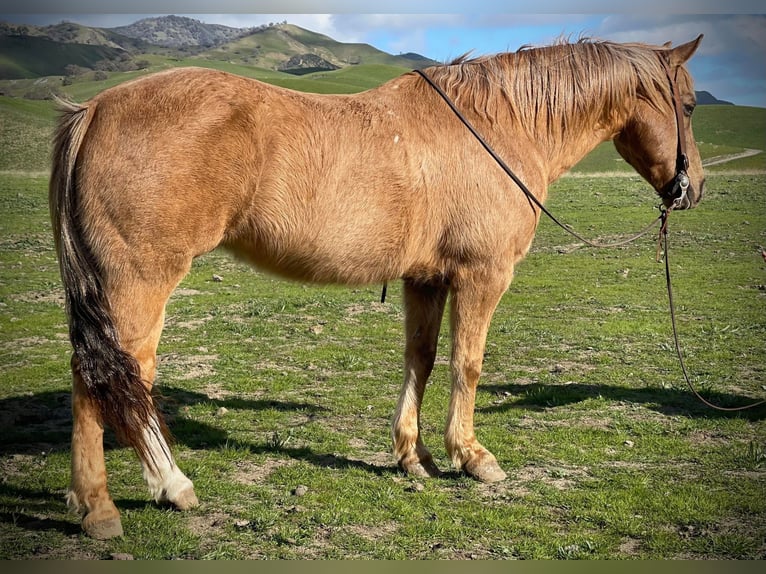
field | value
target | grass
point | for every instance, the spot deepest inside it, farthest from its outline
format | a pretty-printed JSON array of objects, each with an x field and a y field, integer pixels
[
  {"x": 35, "y": 120},
  {"x": 270, "y": 385}
]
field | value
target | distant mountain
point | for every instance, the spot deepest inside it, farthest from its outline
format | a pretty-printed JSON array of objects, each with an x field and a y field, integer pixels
[
  {"x": 71, "y": 33},
  {"x": 34, "y": 51},
  {"x": 180, "y": 32},
  {"x": 706, "y": 98}
]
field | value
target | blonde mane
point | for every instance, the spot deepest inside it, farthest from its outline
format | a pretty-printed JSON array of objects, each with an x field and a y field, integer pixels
[{"x": 558, "y": 89}]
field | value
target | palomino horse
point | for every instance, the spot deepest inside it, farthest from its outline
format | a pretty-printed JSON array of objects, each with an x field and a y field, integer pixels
[{"x": 350, "y": 189}]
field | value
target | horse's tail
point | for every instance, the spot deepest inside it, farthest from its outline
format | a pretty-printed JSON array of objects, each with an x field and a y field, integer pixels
[{"x": 111, "y": 375}]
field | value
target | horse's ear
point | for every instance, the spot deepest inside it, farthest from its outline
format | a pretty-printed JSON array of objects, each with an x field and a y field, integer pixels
[{"x": 682, "y": 53}]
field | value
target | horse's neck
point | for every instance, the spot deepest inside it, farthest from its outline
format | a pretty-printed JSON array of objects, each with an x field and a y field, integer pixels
[
  {"x": 563, "y": 154},
  {"x": 565, "y": 148},
  {"x": 577, "y": 123}
]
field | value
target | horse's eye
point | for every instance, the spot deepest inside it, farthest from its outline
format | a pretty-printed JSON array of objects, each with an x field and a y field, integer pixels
[{"x": 688, "y": 109}]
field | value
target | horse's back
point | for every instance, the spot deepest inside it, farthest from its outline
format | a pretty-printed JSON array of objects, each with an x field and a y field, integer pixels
[{"x": 164, "y": 165}]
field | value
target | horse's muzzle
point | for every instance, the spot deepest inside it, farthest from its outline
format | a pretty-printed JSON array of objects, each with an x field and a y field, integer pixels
[{"x": 680, "y": 194}]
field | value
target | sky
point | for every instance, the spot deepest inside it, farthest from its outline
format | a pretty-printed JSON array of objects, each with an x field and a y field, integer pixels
[{"x": 730, "y": 64}]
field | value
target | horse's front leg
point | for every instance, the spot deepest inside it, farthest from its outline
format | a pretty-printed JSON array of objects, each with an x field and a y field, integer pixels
[
  {"x": 424, "y": 307},
  {"x": 475, "y": 295}
]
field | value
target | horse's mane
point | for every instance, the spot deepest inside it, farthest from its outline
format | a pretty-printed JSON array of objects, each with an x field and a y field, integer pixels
[{"x": 562, "y": 87}]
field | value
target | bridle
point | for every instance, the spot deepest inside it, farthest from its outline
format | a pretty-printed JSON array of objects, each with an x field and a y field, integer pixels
[
  {"x": 681, "y": 180},
  {"x": 678, "y": 195}
]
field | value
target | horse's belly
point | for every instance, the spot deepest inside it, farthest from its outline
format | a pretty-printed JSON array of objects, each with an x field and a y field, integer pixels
[{"x": 333, "y": 259}]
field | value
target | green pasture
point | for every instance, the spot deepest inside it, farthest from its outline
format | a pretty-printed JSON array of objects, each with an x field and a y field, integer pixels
[{"x": 269, "y": 385}]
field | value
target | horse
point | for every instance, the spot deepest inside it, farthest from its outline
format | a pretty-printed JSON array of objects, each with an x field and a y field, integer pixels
[{"x": 354, "y": 189}]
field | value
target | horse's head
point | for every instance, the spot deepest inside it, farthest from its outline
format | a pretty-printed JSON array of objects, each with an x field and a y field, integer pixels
[{"x": 657, "y": 139}]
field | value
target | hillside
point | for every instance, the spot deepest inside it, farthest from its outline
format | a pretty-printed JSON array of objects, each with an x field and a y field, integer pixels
[
  {"x": 34, "y": 51},
  {"x": 180, "y": 32},
  {"x": 37, "y": 56},
  {"x": 706, "y": 98},
  {"x": 275, "y": 46}
]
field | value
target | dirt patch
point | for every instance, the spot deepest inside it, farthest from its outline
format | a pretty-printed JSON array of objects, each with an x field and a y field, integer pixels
[
  {"x": 24, "y": 343},
  {"x": 248, "y": 472},
  {"x": 708, "y": 437},
  {"x": 372, "y": 533},
  {"x": 357, "y": 443},
  {"x": 353, "y": 311},
  {"x": 184, "y": 292},
  {"x": 560, "y": 478},
  {"x": 192, "y": 366},
  {"x": 215, "y": 392},
  {"x": 630, "y": 547},
  {"x": 528, "y": 422},
  {"x": 55, "y": 297},
  {"x": 382, "y": 460},
  {"x": 191, "y": 324}
]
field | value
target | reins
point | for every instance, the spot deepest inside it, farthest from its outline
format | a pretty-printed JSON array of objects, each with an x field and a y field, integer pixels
[{"x": 681, "y": 185}]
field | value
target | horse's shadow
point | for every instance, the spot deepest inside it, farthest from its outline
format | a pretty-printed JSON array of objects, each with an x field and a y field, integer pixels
[
  {"x": 668, "y": 401},
  {"x": 41, "y": 423}
]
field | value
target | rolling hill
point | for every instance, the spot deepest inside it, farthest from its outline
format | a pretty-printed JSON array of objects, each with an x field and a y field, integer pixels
[
  {"x": 34, "y": 51},
  {"x": 37, "y": 56},
  {"x": 178, "y": 32}
]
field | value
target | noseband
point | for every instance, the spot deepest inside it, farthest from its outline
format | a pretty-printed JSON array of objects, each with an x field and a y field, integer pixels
[{"x": 681, "y": 180}]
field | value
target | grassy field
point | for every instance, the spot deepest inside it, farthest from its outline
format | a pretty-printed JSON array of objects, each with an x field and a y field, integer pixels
[{"x": 270, "y": 385}]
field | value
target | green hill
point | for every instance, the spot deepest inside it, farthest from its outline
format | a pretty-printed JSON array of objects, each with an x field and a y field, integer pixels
[
  {"x": 273, "y": 46},
  {"x": 25, "y": 132},
  {"x": 720, "y": 131},
  {"x": 33, "y": 56}
]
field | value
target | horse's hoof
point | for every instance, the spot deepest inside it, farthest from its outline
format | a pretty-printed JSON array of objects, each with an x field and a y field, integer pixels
[
  {"x": 186, "y": 499},
  {"x": 421, "y": 469},
  {"x": 485, "y": 469},
  {"x": 102, "y": 529}
]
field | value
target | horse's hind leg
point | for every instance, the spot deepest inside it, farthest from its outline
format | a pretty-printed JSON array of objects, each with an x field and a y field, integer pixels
[
  {"x": 88, "y": 493},
  {"x": 139, "y": 313},
  {"x": 424, "y": 307},
  {"x": 475, "y": 295}
]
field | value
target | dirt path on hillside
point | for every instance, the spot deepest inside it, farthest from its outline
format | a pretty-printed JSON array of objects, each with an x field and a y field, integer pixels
[
  {"x": 716, "y": 160},
  {"x": 731, "y": 157}
]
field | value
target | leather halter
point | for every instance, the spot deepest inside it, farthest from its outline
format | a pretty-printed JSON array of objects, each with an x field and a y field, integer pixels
[{"x": 681, "y": 180}]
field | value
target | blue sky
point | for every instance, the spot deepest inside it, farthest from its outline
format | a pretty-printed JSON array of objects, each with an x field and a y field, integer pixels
[{"x": 731, "y": 63}]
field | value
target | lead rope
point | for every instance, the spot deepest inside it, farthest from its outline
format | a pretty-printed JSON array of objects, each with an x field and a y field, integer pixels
[{"x": 663, "y": 241}]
